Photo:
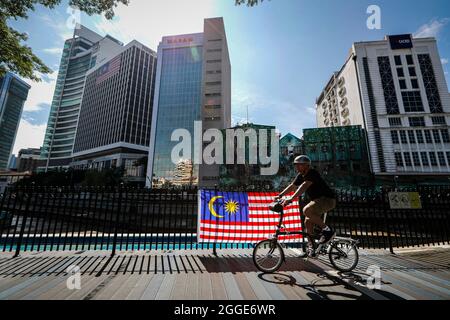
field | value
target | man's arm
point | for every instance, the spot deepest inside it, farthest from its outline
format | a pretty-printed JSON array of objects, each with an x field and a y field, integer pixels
[
  {"x": 290, "y": 188},
  {"x": 300, "y": 191}
]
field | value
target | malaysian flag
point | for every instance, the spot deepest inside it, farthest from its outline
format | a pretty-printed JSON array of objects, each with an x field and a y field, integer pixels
[
  {"x": 108, "y": 69},
  {"x": 241, "y": 217}
]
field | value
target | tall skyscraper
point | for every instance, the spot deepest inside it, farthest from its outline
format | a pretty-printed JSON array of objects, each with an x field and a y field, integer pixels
[
  {"x": 396, "y": 89},
  {"x": 82, "y": 52},
  {"x": 116, "y": 112},
  {"x": 193, "y": 83},
  {"x": 13, "y": 94}
]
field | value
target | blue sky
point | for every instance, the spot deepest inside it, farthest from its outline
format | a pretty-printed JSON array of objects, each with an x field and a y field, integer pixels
[{"x": 282, "y": 52}]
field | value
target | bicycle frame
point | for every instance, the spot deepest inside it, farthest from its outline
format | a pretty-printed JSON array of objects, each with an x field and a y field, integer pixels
[{"x": 311, "y": 238}]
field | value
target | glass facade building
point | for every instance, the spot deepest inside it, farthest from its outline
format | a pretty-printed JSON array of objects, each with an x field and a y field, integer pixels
[
  {"x": 193, "y": 83},
  {"x": 13, "y": 94},
  {"x": 80, "y": 54},
  {"x": 179, "y": 103}
]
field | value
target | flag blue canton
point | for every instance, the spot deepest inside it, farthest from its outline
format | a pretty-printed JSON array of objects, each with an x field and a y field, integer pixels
[{"x": 214, "y": 206}]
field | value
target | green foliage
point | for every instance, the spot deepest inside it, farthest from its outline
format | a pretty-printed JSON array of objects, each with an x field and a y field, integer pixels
[{"x": 15, "y": 55}]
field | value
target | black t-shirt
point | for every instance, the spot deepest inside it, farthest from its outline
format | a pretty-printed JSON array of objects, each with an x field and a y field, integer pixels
[{"x": 319, "y": 187}]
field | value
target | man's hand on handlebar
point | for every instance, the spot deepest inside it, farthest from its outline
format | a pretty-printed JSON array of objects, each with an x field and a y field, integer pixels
[{"x": 286, "y": 202}]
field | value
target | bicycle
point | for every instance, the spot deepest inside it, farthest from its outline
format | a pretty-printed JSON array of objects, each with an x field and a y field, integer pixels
[{"x": 268, "y": 255}]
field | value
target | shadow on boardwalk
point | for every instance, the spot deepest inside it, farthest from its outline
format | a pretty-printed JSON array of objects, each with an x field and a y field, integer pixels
[{"x": 192, "y": 275}]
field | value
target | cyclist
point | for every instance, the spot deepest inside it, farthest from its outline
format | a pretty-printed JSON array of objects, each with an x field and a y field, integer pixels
[{"x": 322, "y": 197}]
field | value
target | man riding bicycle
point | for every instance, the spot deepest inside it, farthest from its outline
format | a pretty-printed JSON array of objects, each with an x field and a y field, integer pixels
[{"x": 322, "y": 197}]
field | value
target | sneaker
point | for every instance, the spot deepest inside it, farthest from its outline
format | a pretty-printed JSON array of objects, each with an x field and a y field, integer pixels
[{"x": 327, "y": 236}]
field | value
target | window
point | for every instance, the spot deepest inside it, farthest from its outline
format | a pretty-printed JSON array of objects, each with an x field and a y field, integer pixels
[
  {"x": 395, "y": 122},
  {"x": 445, "y": 136},
  {"x": 398, "y": 60},
  {"x": 409, "y": 59},
  {"x": 412, "y": 137},
  {"x": 403, "y": 84},
  {"x": 399, "y": 159},
  {"x": 215, "y": 83},
  {"x": 448, "y": 156},
  {"x": 394, "y": 136},
  {"x": 428, "y": 136},
  {"x": 407, "y": 157},
  {"x": 412, "y": 101},
  {"x": 425, "y": 161},
  {"x": 214, "y": 50},
  {"x": 438, "y": 120},
  {"x": 436, "y": 136},
  {"x": 433, "y": 159},
  {"x": 429, "y": 80},
  {"x": 441, "y": 157},
  {"x": 424, "y": 157},
  {"x": 400, "y": 73},
  {"x": 213, "y": 61},
  {"x": 416, "y": 122},
  {"x": 419, "y": 135},
  {"x": 416, "y": 159},
  {"x": 414, "y": 84},
  {"x": 403, "y": 137},
  {"x": 387, "y": 79},
  {"x": 412, "y": 72}
]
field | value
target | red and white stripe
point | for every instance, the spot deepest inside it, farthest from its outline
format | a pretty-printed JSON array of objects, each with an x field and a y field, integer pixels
[{"x": 262, "y": 223}]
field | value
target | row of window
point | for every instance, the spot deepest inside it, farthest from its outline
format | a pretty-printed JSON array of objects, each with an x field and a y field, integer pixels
[
  {"x": 425, "y": 159},
  {"x": 417, "y": 136},
  {"x": 417, "y": 121}
]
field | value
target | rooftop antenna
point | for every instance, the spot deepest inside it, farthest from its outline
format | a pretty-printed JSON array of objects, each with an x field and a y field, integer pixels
[{"x": 247, "y": 116}]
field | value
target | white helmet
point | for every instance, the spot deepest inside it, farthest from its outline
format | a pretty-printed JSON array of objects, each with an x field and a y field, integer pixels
[{"x": 302, "y": 160}]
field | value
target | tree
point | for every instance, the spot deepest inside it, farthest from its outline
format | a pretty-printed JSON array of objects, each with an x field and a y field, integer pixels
[{"x": 15, "y": 55}]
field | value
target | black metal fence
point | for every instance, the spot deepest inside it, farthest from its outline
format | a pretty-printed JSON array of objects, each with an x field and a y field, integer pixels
[{"x": 64, "y": 218}]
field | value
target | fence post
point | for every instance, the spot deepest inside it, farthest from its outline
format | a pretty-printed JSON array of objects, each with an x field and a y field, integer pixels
[
  {"x": 119, "y": 206},
  {"x": 24, "y": 222},
  {"x": 386, "y": 222}
]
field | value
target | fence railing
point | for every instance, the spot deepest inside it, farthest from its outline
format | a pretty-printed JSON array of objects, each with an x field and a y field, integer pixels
[{"x": 65, "y": 218}]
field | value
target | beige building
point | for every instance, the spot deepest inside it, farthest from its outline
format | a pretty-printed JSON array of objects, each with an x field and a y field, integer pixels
[{"x": 396, "y": 90}]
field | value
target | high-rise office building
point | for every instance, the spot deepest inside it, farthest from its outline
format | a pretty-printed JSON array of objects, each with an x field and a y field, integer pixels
[
  {"x": 396, "y": 90},
  {"x": 116, "y": 112},
  {"x": 193, "y": 83},
  {"x": 13, "y": 94},
  {"x": 83, "y": 51}
]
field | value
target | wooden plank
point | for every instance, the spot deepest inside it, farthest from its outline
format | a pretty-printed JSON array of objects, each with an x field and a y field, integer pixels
[
  {"x": 167, "y": 286},
  {"x": 152, "y": 289},
  {"x": 205, "y": 290},
  {"x": 180, "y": 291},
  {"x": 231, "y": 287},
  {"x": 244, "y": 287},
  {"x": 257, "y": 286},
  {"x": 218, "y": 287},
  {"x": 138, "y": 290}
]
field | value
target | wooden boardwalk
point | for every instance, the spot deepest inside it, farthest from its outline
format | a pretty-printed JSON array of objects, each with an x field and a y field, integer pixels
[{"x": 194, "y": 275}]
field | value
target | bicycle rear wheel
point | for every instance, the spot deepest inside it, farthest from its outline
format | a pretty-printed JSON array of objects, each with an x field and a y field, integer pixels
[
  {"x": 268, "y": 256},
  {"x": 344, "y": 256}
]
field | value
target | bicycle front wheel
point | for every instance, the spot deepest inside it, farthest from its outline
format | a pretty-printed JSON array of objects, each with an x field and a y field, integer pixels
[
  {"x": 268, "y": 256},
  {"x": 344, "y": 256}
]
